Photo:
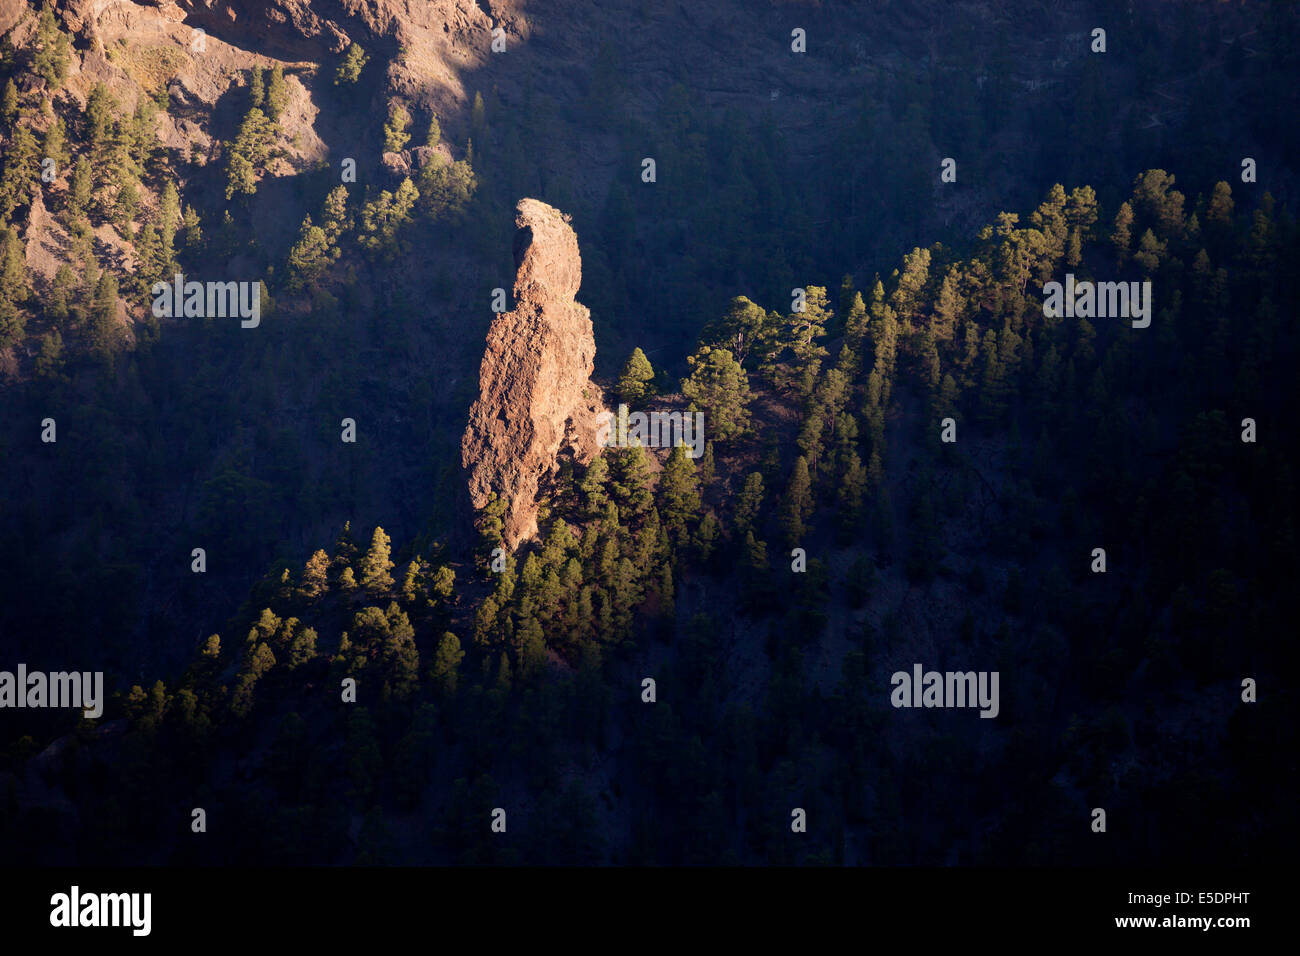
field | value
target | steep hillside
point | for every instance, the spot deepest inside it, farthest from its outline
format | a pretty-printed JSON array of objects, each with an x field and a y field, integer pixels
[{"x": 905, "y": 457}]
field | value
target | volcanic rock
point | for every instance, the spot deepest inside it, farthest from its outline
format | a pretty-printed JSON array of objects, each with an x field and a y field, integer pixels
[{"x": 536, "y": 401}]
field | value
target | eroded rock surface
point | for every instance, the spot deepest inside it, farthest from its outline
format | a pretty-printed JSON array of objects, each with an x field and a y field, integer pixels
[{"x": 536, "y": 401}]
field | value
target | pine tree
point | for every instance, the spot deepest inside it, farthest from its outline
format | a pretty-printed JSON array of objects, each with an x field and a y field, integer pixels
[
  {"x": 277, "y": 94},
  {"x": 948, "y": 307},
  {"x": 1081, "y": 213},
  {"x": 667, "y": 599},
  {"x": 1074, "y": 250},
  {"x": 707, "y": 465},
  {"x": 250, "y": 151},
  {"x": 258, "y": 660},
  {"x": 265, "y": 627},
  {"x": 794, "y": 357},
  {"x": 169, "y": 219},
  {"x": 749, "y": 503},
  {"x": 629, "y": 483},
  {"x": 1150, "y": 251},
  {"x": 55, "y": 144},
  {"x": 855, "y": 322},
  {"x": 345, "y": 548},
  {"x": 719, "y": 387},
  {"x": 98, "y": 118},
  {"x": 256, "y": 89},
  {"x": 797, "y": 505},
  {"x": 125, "y": 207},
  {"x": 530, "y": 642},
  {"x": 443, "y": 584},
  {"x": 334, "y": 214},
  {"x": 906, "y": 298},
  {"x": 13, "y": 268},
  {"x": 992, "y": 384},
  {"x": 412, "y": 581},
  {"x": 104, "y": 334},
  {"x": 446, "y": 189},
  {"x": 50, "y": 61},
  {"x": 486, "y": 621},
  {"x": 743, "y": 329},
  {"x": 1159, "y": 202},
  {"x": 845, "y": 302},
  {"x": 315, "y": 575},
  {"x": 9, "y": 103},
  {"x": 1221, "y": 205},
  {"x": 505, "y": 677},
  {"x": 634, "y": 381},
  {"x": 58, "y": 306},
  {"x": 150, "y": 263},
  {"x": 395, "y": 134},
  {"x": 137, "y": 139},
  {"x": 434, "y": 136},
  {"x": 302, "y": 648},
  {"x": 947, "y": 402},
  {"x": 968, "y": 356},
  {"x": 12, "y": 322},
  {"x": 679, "y": 493},
  {"x": 192, "y": 231},
  {"x": 382, "y": 219},
  {"x": 477, "y": 117},
  {"x": 1051, "y": 221},
  {"x": 310, "y": 256},
  {"x": 446, "y": 663},
  {"x": 852, "y": 488},
  {"x": 706, "y": 535},
  {"x": 491, "y": 526},
  {"x": 1122, "y": 236},
  {"x": 755, "y": 588},
  {"x": 21, "y": 172},
  {"x": 399, "y": 658},
  {"x": 592, "y": 487},
  {"x": 49, "y": 361},
  {"x": 349, "y": 70},
  {"x": 1260, "y": 243}
]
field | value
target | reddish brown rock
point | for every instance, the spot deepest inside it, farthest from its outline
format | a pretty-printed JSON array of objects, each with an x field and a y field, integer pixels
[{"x": 536, "y": 400}]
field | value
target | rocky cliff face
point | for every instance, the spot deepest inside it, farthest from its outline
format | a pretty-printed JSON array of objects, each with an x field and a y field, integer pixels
[{"x": 536, "y": 398}]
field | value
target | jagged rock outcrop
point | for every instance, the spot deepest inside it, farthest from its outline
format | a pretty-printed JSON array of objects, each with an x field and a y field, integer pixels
[
  {"x": 536, "y": 398},
  {"x": 292, "y": 27},
  {"x": 410, "y": 161}
]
